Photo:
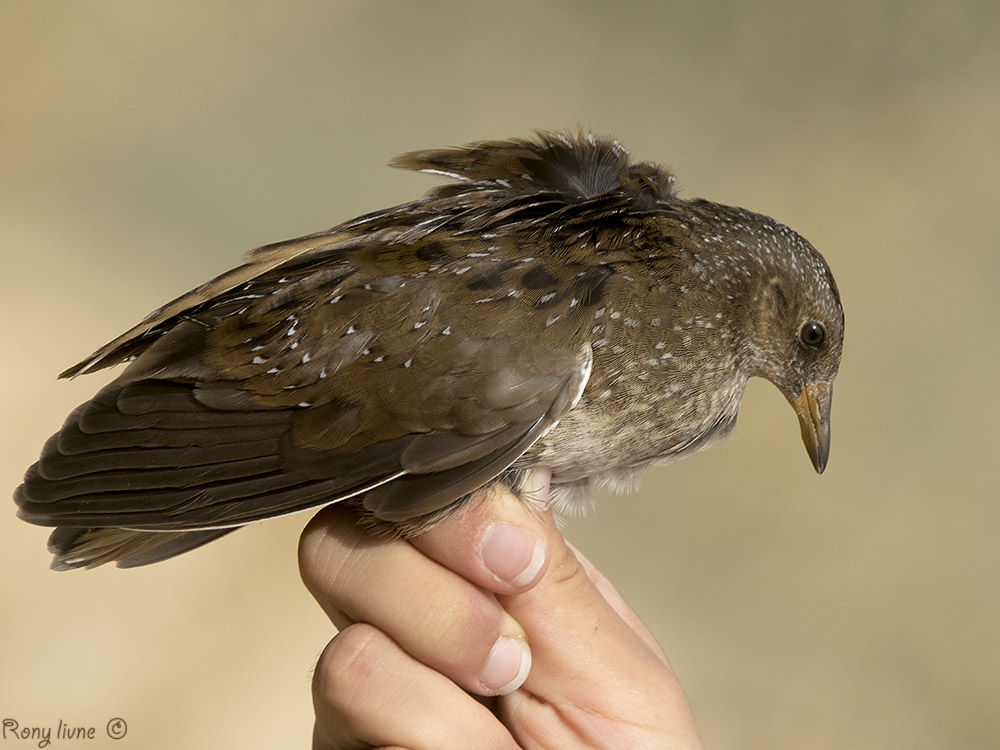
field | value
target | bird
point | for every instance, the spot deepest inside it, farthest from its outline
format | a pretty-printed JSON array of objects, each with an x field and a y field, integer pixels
[{"x": 552, "y": 304}]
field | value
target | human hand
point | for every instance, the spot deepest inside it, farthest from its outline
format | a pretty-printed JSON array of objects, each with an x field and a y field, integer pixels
[{"x": 428, "y": 623}]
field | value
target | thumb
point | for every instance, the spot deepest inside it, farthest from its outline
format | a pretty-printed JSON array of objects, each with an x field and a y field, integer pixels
[{"x": 576, "y": 623}]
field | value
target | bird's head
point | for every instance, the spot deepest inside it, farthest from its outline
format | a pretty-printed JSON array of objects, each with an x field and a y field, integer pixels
[{"x": 797, "y": 335}]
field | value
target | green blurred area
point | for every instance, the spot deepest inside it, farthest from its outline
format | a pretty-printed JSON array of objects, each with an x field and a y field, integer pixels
[{"x": 145, "y": 146}]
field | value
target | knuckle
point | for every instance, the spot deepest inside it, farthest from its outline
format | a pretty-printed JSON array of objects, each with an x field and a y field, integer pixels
[
  {"x": 349, "y": 667},
  {"x": 326, "y": 553},
  {"x": 568, "y": 573}
]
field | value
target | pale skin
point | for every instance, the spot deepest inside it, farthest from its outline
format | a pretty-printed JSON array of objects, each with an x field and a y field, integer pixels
[{"x": 491, "y": 602}]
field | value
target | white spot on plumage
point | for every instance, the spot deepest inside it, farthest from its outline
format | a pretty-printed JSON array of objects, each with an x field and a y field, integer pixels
[{"x": 445, "y": 173}]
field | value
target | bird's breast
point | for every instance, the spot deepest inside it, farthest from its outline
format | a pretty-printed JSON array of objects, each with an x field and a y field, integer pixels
[{"x": 619, "y": 429}]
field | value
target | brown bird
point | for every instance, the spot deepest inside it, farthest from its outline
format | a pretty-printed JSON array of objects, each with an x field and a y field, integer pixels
[{"x": 555, "y": 305}]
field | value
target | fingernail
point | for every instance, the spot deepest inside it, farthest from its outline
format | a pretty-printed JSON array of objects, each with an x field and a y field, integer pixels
[
  {"x": 512, "y": 554},
  {"x": 508, "y": 666}
]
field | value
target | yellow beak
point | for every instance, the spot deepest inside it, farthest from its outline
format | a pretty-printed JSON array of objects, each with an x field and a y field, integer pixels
[{"x": 812, "y": 406}]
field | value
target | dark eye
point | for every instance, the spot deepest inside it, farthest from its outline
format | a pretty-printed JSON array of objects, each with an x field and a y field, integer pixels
[{"x": 812, "y": 334}]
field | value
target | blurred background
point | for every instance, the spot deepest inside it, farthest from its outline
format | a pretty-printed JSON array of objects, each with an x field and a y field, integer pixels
[{"x": 145, "y": 146}]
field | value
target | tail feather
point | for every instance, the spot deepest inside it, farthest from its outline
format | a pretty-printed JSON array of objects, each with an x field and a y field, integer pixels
[{"x": 87, "y": 548}]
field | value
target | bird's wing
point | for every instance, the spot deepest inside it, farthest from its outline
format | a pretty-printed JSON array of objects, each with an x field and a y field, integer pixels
[
  {"x": 308, "y": 385},
  {"x": 263, "y": 260}
]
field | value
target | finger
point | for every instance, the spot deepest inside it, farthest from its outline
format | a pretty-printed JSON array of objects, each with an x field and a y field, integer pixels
[
  {"x": 618, "y": 604},
  {"x": 575, "y": 635},
  {"x": 435, "y": 615},
  {"x": 495, "y": 539},
  {"x": 368, "y": 692},
  {"x": 583, "y": 629}
]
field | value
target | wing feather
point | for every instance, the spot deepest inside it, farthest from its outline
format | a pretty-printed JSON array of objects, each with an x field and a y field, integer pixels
[{"x": 115, "y": 465}]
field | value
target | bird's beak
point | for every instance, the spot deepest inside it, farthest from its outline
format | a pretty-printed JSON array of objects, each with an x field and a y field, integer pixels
[{"x": 813, "y": 408}]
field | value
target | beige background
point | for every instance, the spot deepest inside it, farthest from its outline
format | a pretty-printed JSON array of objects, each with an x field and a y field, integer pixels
[{"x": 145, "y": 146}]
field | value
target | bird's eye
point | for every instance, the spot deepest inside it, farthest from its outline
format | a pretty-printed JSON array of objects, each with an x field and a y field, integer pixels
[{"x": 812, "y": 334}]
